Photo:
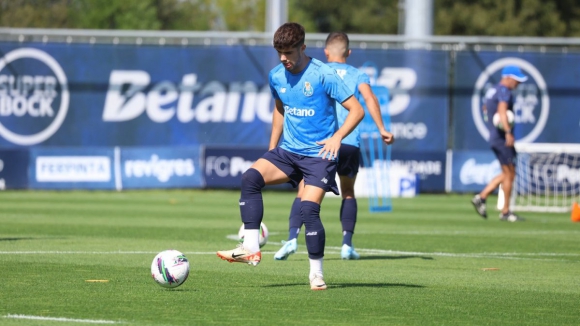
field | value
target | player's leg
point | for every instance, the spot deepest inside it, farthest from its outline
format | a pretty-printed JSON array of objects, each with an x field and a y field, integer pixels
[
  {"x": 479, "y": 200},
  {"x": 348, "y": 217},
  {"x": 315, "y": 234},
  {"x": 347, "y": 169},
  {"x": 319, "y": 178},
  {"x": 509, "y": 170},
  {"x": 294, "y": 225},
  {"x": 263, "y": 172},
  {"x": 295, "y": 220}
]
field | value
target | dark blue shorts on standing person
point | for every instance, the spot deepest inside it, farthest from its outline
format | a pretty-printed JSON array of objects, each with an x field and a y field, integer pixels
[
  {"x": 348, "y": 161},
  {"x": 505, "y": 155},
  {"x": 315, "y": 171}
]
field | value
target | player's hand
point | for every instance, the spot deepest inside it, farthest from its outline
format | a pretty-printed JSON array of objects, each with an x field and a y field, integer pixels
[
  {"x": 509, "y": 140},
  {"x": 387, "y": 137},
  {"x": 330, "y": 147}
]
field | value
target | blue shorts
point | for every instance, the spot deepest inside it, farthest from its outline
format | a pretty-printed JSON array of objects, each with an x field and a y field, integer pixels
[
  {"x": 505, "y": 155},
  {"x": 348, "y": 161},
  {"x": 315, "y": 171}
]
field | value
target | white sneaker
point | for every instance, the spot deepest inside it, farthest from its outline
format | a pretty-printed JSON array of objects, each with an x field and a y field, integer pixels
[
  {"x": 348, "y": 252},
  {"x": 317, "y": 283},
  {"x": 287, "y": 249},
  {"x": 240, "y": 255}
]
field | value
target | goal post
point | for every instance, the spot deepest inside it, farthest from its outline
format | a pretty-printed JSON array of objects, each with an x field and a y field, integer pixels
[{"x": 547, "y": 177}]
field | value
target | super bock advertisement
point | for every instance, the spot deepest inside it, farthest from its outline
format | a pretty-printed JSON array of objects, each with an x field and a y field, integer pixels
[{"x": 545, "y": 106}]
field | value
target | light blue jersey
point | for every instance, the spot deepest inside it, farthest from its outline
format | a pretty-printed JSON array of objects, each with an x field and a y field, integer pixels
[
  {"x": 309, "y": 99},
  {"x": 352, "y": 77}
]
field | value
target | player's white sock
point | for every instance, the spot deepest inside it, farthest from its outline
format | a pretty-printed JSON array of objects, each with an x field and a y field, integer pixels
[
  {"x": 252, "y": 240},
  {"x": 315, "y": 267}
]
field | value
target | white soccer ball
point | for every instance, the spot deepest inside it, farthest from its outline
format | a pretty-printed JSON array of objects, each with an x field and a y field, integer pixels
[
  {"x": 263, "y": 234},
  {"x": 511, "y": 119},
  {"x": 170, "y": 268}
]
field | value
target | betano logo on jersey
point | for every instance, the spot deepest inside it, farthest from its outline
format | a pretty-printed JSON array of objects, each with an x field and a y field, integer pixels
[
  {"x": 34, "y": 96},
  {"x": 130, "y": 94},
  {"x": 531, "y": 100},
  {"x": 298, "y": 112}
]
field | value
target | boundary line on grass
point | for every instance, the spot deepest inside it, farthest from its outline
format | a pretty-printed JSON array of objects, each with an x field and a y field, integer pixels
[
  {"x": 62, "y": 319},
  {"x": 330, "y": 250}
]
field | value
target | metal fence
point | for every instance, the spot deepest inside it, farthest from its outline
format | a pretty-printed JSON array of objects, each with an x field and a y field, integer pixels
[{"x": 189, "y": 38}]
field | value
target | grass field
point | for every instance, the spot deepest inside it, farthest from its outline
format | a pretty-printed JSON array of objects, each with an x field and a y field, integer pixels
[{"x": 432, "y": 261}]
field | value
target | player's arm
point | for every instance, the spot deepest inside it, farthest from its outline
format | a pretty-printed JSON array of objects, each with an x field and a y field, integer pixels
[
  {"x": 502, "y": 109},
  {"x": 355, "y": 114},
  {"x": 375, "y": 111},
  {"x": 277, "y": 124}
]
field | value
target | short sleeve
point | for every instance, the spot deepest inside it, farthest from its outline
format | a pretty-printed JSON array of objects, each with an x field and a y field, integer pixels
[
  {"x": 272, "y": 88},
  {"x": 504, "y": 95},
  {"x": 335, "y": 87}
]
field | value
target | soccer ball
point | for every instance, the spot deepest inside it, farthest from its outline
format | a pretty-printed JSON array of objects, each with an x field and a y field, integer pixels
[
  {"x": 263, "y": 234},
  {"x": 497, "y": 122},
  {"x": 170, "y": 268}
]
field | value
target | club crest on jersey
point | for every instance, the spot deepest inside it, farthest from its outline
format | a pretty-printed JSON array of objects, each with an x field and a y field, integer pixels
[{"x": 307, "y": 90}]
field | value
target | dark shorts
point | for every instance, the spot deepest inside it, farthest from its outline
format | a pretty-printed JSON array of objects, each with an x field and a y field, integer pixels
[
  {"x": 314, "y": 170},
  {"x": 505, "y": 155},
  {"x": 348, "y": 161}
]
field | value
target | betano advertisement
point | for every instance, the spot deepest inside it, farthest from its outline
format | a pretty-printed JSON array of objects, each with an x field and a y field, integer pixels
[
  {"x": 109, "y": 116},
  {"x": 128, "y": 95}
]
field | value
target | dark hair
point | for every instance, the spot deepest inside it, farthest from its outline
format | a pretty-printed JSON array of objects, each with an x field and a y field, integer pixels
[
  {"x": 337, "y": 37},
  {"x": 289, "y": 35}
]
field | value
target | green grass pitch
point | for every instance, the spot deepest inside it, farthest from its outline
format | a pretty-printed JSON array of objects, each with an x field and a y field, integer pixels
[{"x": 432, "y": 261}]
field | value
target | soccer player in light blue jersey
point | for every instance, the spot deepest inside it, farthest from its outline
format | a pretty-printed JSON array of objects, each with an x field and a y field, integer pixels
[
  {"x": 337, "y": 51},
  {"x": 305, "y": 91}
]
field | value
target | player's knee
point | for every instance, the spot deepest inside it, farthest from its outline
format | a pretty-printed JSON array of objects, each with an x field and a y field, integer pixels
[
  {"x": 310, "y": 212},
  {"x": 252, "y": 182}
]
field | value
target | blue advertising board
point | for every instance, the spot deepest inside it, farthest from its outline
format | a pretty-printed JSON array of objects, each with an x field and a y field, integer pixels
[
  {"x": 54, "y": 94},
  {"x": 72, "y": 168},
  {"x": 14, "y": 168},
  {"x": 161, "y": 167},
  {"x": 224, "y": 166},
  {"x": 472, "y": 170},
  {"x": 428, "y": 166},
  {"x": 546, "y": 106}
]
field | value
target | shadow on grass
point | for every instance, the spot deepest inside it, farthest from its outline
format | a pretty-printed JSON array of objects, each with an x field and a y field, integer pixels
[
  {"x": 352, "y": 285},
  {"x": 16, "y": 239},
  {"x": 375, "y": 257},
  {"x": 394, "y": 257}
]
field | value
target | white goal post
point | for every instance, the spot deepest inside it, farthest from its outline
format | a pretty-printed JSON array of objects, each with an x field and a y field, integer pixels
[{"x": 547, "y": 177}]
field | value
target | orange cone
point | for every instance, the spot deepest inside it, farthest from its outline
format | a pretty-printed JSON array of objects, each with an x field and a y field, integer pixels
[{"x": 575, "y": 216}]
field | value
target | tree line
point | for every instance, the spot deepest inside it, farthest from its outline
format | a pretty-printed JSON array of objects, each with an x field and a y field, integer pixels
[{"x": 557, "y": 18}]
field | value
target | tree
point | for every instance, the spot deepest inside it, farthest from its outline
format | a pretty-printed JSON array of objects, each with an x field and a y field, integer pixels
[
  {"x": 451, "y": 17},
  {"x": 500, "y": 18},
  {"x": 349, "y": 16}
]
